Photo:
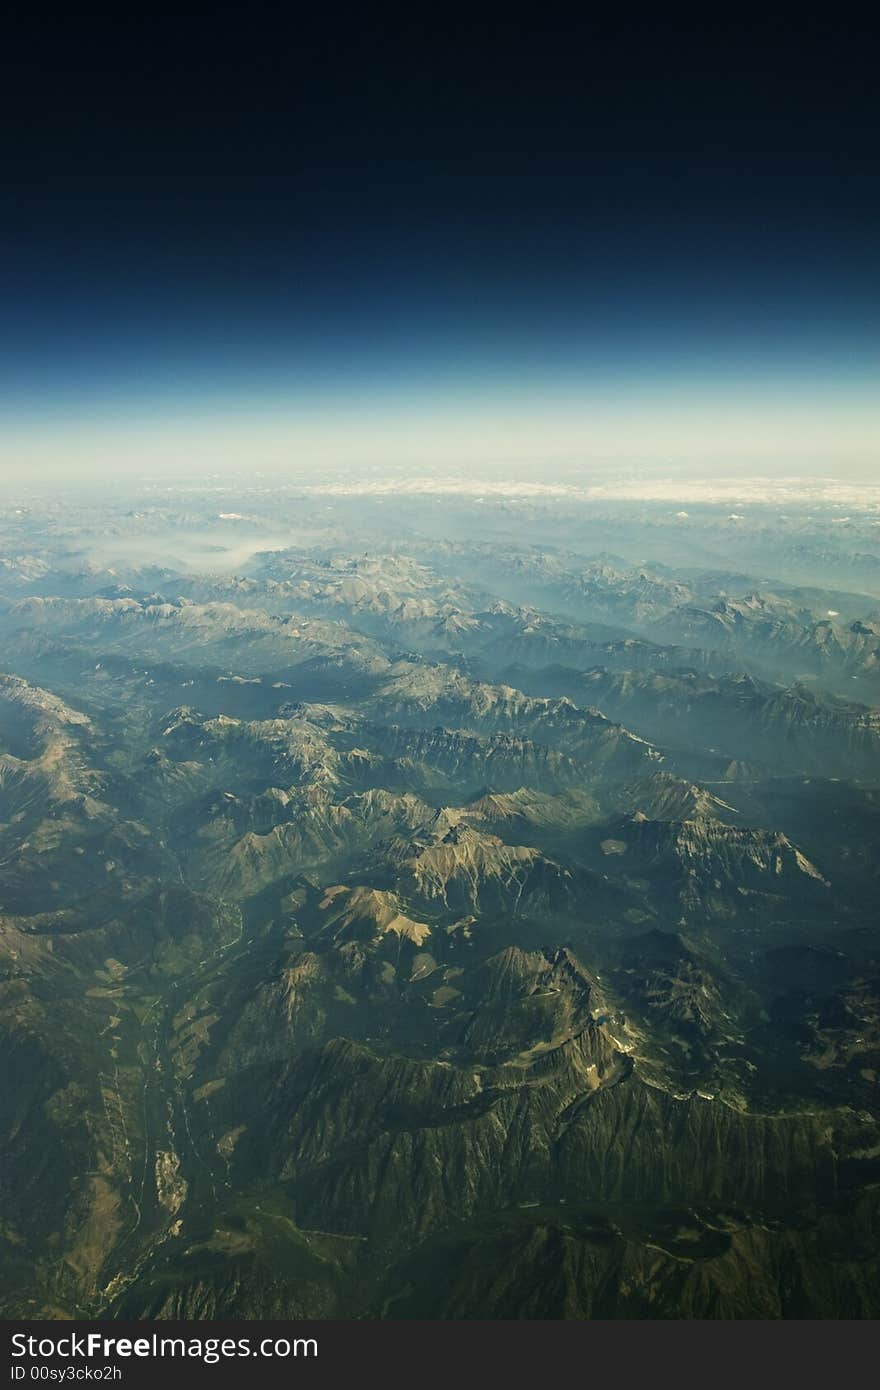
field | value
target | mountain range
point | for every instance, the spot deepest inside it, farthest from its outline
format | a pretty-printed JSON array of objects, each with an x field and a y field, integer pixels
[{"x": 418, "y": 922}]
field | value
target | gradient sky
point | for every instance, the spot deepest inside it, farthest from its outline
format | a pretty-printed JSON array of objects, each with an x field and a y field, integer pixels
[{"x": 244, "y": 240}]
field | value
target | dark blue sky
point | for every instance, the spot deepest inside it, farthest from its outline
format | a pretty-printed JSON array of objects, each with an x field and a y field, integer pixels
[{"x": 245, "y": 206}]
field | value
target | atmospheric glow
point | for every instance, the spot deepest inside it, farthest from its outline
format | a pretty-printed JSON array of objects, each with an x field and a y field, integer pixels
[{"x": 679, "y": 426}]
